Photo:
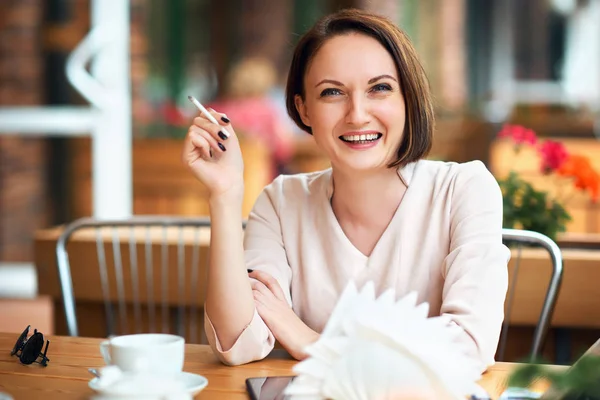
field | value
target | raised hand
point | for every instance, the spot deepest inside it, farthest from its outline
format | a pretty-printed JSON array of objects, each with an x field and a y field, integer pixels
[{"x": 213, "y": 157}]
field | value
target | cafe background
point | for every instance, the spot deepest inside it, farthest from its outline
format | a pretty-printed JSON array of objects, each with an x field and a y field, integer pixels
[{"x": 530, "y": 63}]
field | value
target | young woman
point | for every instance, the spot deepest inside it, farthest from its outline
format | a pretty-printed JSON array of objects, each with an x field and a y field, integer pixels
[{"x": 381, "y": 213}]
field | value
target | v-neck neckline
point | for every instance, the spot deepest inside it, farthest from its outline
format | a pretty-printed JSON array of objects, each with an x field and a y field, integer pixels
[{"x": 406, "y": 174}]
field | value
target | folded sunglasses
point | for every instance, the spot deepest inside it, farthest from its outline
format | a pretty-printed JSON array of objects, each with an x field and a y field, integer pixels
[{"x": 30, "y": 350}]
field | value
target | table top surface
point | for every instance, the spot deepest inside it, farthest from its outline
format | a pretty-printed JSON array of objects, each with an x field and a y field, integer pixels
[{"x": 66, "y": 376}]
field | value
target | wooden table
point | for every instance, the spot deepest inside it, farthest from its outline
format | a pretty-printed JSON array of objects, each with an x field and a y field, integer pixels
[
  {"x": 66, "y": 376},
  {"x": 589, "y": 241}
]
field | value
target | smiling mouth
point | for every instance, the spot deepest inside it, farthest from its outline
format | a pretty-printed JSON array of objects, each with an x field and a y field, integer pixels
[{"x": 361, "y": 139}]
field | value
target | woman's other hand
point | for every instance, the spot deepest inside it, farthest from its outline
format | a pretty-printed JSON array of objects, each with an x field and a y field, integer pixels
[
  {"x": 212, "y": 152},
  {"x": 293, "y": 334}
]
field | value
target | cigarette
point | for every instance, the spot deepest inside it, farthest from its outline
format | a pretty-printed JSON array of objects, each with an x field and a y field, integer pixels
[{"x": 208, "y": 115}]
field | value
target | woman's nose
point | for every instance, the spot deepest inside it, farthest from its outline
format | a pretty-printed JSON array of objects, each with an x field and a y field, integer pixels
[{"x": 358, "y": 113}]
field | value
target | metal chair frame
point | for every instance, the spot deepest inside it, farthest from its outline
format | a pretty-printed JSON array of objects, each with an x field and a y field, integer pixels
[
  {"x": 541, "y": 330},
  {"x": 64, "y": 271},
  {"x": 166, "y": 222}
]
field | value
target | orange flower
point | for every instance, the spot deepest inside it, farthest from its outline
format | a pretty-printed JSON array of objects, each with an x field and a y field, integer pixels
[{"x": 580, "y": 168}]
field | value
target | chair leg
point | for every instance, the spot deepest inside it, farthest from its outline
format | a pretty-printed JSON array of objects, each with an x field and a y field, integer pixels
[{"x": 562, "y": 346}]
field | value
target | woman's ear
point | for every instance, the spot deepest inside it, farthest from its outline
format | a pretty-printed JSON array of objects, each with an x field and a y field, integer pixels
[{"x": 301, "y": 108}]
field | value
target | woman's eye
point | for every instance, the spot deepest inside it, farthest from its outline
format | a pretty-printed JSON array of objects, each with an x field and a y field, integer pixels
[
  {"x": 381, "y": 87},
  {"x": 330, "y": 92}
]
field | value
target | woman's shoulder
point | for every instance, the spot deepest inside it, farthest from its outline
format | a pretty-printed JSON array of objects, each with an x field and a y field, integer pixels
[
  {"x": 433, "y": 177},
  {"x": 454, "y": 172},
  {"x": 299, "y": 186},
  {"x": 459, "y": 181}
]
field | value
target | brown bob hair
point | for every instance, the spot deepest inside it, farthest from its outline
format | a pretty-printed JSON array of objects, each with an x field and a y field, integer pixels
[{"x": 420, "y": 120}]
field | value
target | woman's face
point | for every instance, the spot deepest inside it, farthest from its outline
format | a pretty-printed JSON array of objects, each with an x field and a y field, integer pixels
[{"x": 353, "y": 103}]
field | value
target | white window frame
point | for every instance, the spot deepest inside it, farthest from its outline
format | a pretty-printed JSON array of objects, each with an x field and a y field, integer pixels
[
  {"x": 507, "y": 91},
  {"x": 107, "y": 120}
]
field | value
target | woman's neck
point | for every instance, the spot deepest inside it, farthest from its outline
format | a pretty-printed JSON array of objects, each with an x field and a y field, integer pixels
[{"x": 367, "y": 198}]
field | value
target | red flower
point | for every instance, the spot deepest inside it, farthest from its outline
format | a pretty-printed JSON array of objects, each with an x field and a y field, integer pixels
[
  {"x": 519, "y": 134},
  {"x": 553, "y": 155}
]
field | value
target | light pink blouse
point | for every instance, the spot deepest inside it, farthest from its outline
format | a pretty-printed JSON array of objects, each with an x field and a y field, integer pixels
[{"x": 444, "y": 242}]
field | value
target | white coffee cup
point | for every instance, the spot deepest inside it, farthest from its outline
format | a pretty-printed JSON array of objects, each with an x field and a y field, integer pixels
[{"x": 154, "y": 352}]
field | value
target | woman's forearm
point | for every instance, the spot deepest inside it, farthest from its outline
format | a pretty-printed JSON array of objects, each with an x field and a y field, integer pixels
[{"x": 229, "y": 301}]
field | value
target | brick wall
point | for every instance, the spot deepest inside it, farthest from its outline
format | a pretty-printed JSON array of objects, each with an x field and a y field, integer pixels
[
  {"x": 22, "y": 159},
  {"x": 26, "y": 198},
  {"x": 139, "y": 58}
]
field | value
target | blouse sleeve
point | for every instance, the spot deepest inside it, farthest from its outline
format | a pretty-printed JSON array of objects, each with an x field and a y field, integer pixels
[
  {"x": 476, "y": 268},
  {"x": 264, "y": 250}
]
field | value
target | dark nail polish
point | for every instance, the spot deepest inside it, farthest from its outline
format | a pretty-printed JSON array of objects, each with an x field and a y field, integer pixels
[
  {"x": 249, "y": 270},
  {"x": 222, "y": 135},
  {"x": 222, "y": 147},
  {"x": 225, "y": 119},
  {"x": 210, "y": 152}
]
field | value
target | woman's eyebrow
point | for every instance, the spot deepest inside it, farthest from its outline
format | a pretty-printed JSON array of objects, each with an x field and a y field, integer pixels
[
  {"x": 373, "y": 80},
  {"x": 330, "y": 81}
]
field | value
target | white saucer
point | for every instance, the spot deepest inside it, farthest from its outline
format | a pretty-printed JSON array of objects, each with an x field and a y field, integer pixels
[{"x": 193, "y": 383}]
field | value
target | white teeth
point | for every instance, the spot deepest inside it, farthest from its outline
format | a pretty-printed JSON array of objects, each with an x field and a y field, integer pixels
[{"x": 360, "y": 138}]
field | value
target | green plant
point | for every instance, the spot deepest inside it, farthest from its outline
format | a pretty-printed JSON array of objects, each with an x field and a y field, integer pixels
[
  {"x": 580, "y": 382},
  {"x": 531, "y": 209}
]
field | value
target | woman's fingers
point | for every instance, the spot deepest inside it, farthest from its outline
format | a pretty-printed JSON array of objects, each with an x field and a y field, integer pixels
[
  {"x": 218, "y": 132},
  {"x": 261, "y": 303},
  {"x": 223, "y": 121},
  {"x": 197, "y": 132},
  {"x": 219, "y": 117},
  {"x": 260, "y": 288},
  {"x": 215, "y": 132},
  {"x": 195, "y": 146},
  {"x": 269, "y": 282}
]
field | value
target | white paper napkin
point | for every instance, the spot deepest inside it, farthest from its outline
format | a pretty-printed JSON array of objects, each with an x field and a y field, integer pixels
[{"x": 383, "y": 348}]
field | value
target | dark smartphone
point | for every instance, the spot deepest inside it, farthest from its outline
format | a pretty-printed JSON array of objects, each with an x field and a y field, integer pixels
[{"x": 268, "y": 387}]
